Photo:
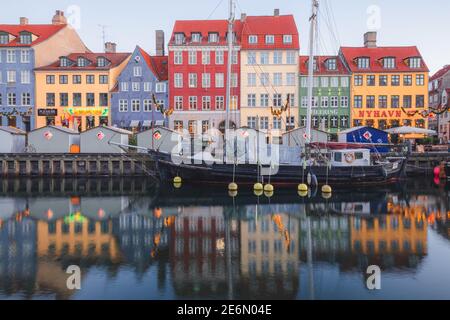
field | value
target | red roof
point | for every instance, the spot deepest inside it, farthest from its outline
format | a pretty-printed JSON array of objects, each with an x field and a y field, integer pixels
[
  {"x": 115, "y": 59},
  {"x": 440, "y": 73},
  {"x": 205, "y": 27},
  {"x": 270, "y": 25},
  {"x": 158, "y": 65},
  {"x": 401, "y": 54},
  {"x": 322, "y": 68},
  {"x": 42, "y": 31}
]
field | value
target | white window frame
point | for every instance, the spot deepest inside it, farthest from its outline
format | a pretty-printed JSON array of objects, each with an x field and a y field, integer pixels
[
  {"x": 135, "y": 105},
  {"x": 178, "y": 57},
  {"x": 147, "y": 105},
  {"x": 123, "y": 105},
  {"x": 161, "y": 87},
  {"x": 193, "y": 80},
  {"x": 178, "y": 103},
  {"x": 178, "y": 80}
]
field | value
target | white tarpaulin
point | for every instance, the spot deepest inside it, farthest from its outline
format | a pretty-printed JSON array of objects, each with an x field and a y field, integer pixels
[{"x": 411, "y": 130}]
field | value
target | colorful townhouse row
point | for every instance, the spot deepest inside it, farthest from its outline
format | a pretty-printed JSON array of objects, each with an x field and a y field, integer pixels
[{"x": 49, "y": 77}]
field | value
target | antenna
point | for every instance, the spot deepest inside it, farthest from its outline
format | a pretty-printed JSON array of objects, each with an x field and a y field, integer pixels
[{"x": 103, "y": 28}]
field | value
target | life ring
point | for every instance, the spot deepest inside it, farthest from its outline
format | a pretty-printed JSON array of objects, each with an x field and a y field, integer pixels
[{"x": 349, "y": 158}]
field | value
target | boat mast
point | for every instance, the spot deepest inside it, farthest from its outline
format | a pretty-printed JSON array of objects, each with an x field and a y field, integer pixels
[
  {"x": 230, "y": 56},
  {"x": 312, "y": 33}
]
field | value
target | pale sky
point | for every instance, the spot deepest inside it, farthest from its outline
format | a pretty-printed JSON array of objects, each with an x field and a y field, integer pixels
[{"x": 131, "y": 23}]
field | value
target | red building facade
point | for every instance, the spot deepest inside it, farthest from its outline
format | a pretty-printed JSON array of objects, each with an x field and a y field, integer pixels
[{"x": 198, "y": 57}]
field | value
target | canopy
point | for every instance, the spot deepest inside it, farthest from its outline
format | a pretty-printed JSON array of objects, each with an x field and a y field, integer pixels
[{"x": 411, "y": 130}]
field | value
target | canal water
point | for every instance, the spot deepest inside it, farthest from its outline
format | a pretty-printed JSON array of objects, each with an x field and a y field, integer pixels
[{"x": 135, "y": 239}]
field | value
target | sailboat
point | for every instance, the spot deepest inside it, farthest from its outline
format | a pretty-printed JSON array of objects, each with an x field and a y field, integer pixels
[{"x": 312, "y": 166}]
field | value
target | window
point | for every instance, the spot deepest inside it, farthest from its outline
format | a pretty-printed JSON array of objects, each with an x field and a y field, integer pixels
[
  {"x": 334, "y": 102},
  {"x": 395, "y": 101},
  {"x": 192, "y": 103},
  {"x": 264, "y": 58},
  {"x": 277, "y": 100},
  {"x": 370, "y": 102},
  {"x": 206, "y": 103},
  {"x": 4, "y": 38},
  {"x": 64, "y": 62},
  {"x": 363, "y": 63},
  {"x": 124, "y": 86},
  {"x": 179, "y": 38},
  {"x": 324, "y": 102},
  {"x": 123, "y": 105},
  {"x": 420, "y": 101},
  {"x": 287, "y": 39},
  {"x": 389, "y": 63},
  {"x": 196, "y": 37},
  {"x": 264, "y": 123},
  {"x": 63, "y": 79},
  {"x": 382, "y": 102},
  {"x": 344, "y": 102},
  {"x": 178, "y": 103},
  {"x": 264, "y": 100},
  {"x": 234, "y": 102},
  {"x": 278, "y": 79},
  {"x": 395, "y": 80},
  {"x": 251, "y": 79},
  {"x": 90, "y": 99},
  {"x": 103, "y": 79},
  {"x": 178, "y": 80},
  {"x": 64, "y": 99},
  {"x": 178, "y": 57},
  {"x": 192, "y": 80},
  {"x": 278, "y": 57},
  {"x": 50, "y": 99},
  {"x": 324, "y": 82},
  {"x": 25, "y": 38},
  {"x": 160, "y": 87},
  {"x": 12, "y": 99},
  {"x": 220, "y": 103},
  {"x": 276, "y": 123},
  {"x": 251, "y": 100},
  {"x": 147, "y": 105},
  {"x": 331, "y": 64},
  {"x": 345, "y": 82},
  {"x": 265, "y": 79},
  {"x": 383, "y": 81},
  {"x": 251, "y": 122},
  {"x": 178, "y": 125},
  {"x": 290, "y": 123},
  {"x": 26, "y": 99},
  {"x": 135, "y": 105},
  {"x": 103, "y": 99},
  {"x": 192, "y": 57},
  {"x": 213, "y": 37},
  {"x": 101, "y": 62},
  {"x": 219, "y": 57},
  {"x": 358, "y": 81},
  {"x": 290, "y": 79},
  {"x": 252, "y": 39},
  {"x": 371, "y": 80},
  {"x": 234, "y": 80},
  {"x": 81, "y": 62},
  {"x": 25, "y": 77},
  {"x": 76, "y": 79},
  {"x": 1, "y": 101},
  {"x": 136, "y": 86},
  {"x": 291, "y": 57},
  {"x": 334, "y": 82},
  {"x": 137, "y": 71},
  {"x": 25, "y": 56},
  {"x": 407, "y": 80},
  {"x": 344, "y": 121},
  {"x": 10, "y": 56},
  {"x": 77, "y": 99},
  {"x": 415, "y": 63},
  {"x": 407, "y": 101},
  {"x": 420, "y": 80},
  {"x": 220, "y": 80},
  {"x": 234, "y": 57},
  {"x": 358, "y": 103},
  {"x": 90, "y": 79},
  {"x": 50, "y": 79},
  {"x": 206, "y": 57},
  {"x": 270, "y": 39},
  {"x": 291, "y": 99}
]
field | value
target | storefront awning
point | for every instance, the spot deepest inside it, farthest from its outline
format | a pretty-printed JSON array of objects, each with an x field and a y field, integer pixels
[
  {"x": 147, "y": 123},
  {"x": 134, "y": 123},
  {"x": 159, "y": 123}
]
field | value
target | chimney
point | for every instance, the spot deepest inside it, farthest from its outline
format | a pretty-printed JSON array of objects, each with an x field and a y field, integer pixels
[
  {"x": 23, "y": 21},
  {"x": 276, "y": 12},
  {"x": 110, "y": 47},
  {"x": 370, "y": 39},
  {"x": 160, "y": 43},
  {"x": 243, "y": 17},
  {"x": 59, "y": 18}
]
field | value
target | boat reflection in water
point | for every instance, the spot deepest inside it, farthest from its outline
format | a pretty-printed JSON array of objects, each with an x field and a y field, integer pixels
[{"x": 137, "y": 239}]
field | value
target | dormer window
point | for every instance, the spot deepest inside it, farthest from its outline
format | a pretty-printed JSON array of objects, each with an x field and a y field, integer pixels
[
  {"x": 331, "y": 64},
  {"x": 102, "y": 62},
  {"x": 64, "y": 62},
  {"x": 252, "y": 39},
  {"x": 26, "y": 38},
  {"x": 287, "y": 39},
  {"x": 196, "y": 37},
  {"x": 4, "y": 38},
  {"x": 270, "y": 39},
  {"x": 314, "y": 64},
  {"x": 213, "y": 37},
  {"x": 389, "y": 63},
  {"x": 179, "y": 38},
  {"x": 415, "y": 63},
  {"x": 363, "y": 63},
  {"x": 82, "y": 62}
]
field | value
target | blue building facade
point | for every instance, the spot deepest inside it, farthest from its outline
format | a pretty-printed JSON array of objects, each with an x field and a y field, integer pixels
[
  {"x": 132, "y": 105},
  {"x": 17, "y": 83}
]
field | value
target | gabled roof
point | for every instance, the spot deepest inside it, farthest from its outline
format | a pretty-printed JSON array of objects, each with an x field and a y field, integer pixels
[
  {"x": 115, "y": 60},
  {"x": 322, "y": 69},
  {"x": 41, "y": 31},
  {"x": 442, "y": 72},
  {"x": 205, "y": 27},
  {"x": 157, "y": 64},
  {"x": 12, "y": 130},
  {"x": 401, "y": 54},
  {"x": 114, "y": 129},
  {"x": 62, "y": 129}
]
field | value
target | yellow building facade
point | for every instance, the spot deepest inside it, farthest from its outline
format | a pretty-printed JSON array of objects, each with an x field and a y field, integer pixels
[{"x": 74, "y": 92}]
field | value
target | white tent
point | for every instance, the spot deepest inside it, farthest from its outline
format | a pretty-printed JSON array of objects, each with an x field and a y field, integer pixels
[{"x": 411, "y": 130}]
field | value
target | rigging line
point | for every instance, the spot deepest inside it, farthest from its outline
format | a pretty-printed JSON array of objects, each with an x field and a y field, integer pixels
[
  {"x": 333, "y": 18},
  {"x": 332, "y": 37}
]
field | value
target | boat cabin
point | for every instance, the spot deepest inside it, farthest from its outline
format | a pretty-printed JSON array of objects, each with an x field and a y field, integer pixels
[{"x": 350, "y": 157}]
